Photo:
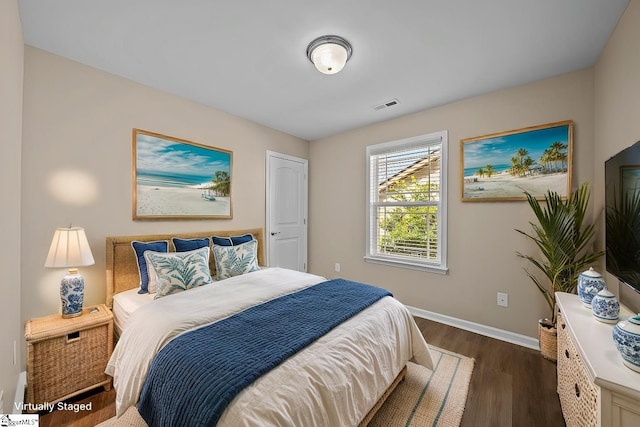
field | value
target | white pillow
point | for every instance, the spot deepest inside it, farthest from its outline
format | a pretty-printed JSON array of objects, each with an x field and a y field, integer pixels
[
  {"x": 179, "y": 271},
  {"x": 236, "y": 260},
  {"x": 151, "y": 272}
]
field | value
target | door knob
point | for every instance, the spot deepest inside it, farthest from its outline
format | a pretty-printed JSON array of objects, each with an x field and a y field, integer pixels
[{"x": 274, "y": 233}]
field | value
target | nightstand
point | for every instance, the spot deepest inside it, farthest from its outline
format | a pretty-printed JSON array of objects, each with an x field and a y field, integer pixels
[{"x": 66, "y": 357}]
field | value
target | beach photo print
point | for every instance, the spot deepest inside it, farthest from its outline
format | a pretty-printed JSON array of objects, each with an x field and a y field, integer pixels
[
  {"x": 502, "y": 166},
  {"x": 178, "y": 179}
]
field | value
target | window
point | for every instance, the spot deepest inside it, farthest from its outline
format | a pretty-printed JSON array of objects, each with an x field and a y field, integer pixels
[{"x": 406, "y": 202}]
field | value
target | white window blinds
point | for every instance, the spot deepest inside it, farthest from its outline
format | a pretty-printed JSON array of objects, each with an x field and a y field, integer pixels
[{"x": 406, "y": 221}]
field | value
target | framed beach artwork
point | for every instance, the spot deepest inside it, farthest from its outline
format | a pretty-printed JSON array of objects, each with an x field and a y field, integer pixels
[
  {"x": 502, "y": 166},
  {"x": 178, "y": 179}
]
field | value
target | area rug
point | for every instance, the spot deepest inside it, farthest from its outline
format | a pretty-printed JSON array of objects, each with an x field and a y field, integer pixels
[
  {"x": 424, "y": 398},
  {"x": 429, "y": 398}
]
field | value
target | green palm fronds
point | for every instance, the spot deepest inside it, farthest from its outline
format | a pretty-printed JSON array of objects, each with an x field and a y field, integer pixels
[{"x": 562, "y": 238}]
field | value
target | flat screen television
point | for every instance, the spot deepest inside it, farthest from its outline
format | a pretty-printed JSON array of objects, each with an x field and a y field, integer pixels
[{"x": 622, "y": 213}]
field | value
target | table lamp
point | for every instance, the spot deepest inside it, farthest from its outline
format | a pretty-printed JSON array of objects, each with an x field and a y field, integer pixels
[{"x": 70, "y": 249}]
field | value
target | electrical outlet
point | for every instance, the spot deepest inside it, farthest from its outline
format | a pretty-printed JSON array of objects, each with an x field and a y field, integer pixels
[
  {"x": 337, "y": 267},
  {"x": 503, "y": 299}
]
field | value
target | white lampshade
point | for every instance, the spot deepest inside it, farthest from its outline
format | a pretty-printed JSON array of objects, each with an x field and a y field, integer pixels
[
  {"x": 329, "y": 54},
  {"x": 69, "y": 248}
]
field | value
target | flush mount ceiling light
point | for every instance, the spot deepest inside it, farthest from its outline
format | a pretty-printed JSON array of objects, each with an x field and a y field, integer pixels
[{"x": 329, "y": 53}]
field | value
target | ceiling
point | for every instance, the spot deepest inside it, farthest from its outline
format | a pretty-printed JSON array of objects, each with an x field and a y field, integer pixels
[{"x": 248, "y": 57}]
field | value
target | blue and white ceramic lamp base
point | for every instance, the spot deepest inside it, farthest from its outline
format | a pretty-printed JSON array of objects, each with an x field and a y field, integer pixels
[{"x": 72, "y": 293}]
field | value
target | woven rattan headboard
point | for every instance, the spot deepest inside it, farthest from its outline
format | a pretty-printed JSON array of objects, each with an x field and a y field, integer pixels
[{"x": 122, "y": 267}]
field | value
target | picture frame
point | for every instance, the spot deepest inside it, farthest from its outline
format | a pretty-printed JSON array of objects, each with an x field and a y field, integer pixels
[
  {"x": 502, "y": 166},
  {"x": 175, "y": 178}
]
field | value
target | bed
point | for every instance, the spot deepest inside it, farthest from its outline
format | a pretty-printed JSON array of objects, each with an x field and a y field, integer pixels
[{"x": 340, "y": 378}]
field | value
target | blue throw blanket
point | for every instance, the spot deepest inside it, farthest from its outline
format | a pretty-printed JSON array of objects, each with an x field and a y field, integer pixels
[{"x": 194, "y": 377}]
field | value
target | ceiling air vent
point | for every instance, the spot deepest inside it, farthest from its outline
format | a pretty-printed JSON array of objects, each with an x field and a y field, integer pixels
[{"x": 387, "y": 104}]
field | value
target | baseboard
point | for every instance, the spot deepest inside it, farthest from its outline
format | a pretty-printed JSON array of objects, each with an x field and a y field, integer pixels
[{"x": 489, "y": 331}]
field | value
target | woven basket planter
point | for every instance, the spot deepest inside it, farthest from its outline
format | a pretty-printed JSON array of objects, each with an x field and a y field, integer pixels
[{"x": 548, "y": 338}]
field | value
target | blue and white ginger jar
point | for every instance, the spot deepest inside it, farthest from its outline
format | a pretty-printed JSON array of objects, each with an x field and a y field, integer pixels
[
  {"x": 590, "y": 282},
  {"x": 605, "y": 306},
  {"x": 626, "y": 335}
]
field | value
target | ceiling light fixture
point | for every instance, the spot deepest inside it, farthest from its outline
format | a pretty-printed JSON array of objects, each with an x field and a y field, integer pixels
[{"x": 329, "y": 53}]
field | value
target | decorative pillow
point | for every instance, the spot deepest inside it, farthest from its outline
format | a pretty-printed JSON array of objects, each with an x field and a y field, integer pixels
[
  {"x": 153, "y": 277},
  {"x": 233, "y": 240},
  {"x": 139, "y": 248},
  {"x": 179, "y": 271},
  {"x": 185, "y": 245},
  {"x": 236, "y": 260}
]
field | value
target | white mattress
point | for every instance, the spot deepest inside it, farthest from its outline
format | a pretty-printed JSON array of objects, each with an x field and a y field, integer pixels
[
  {"x": 334, "y": 381},
  {"x": 125, "y": 303}
]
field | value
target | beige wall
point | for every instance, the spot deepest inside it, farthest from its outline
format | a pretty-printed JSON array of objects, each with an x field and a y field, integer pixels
[
  {"x": 11, "y": 80},
  {"x": 482, "y": 241},
  {"x": 78, "y": 122},
  {"x": 617, "y": 102}
]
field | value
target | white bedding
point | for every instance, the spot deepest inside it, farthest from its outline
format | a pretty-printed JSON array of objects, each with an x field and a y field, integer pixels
[
  {"x": 125, "y": 303},
  {"x": 335, "y": 381}
]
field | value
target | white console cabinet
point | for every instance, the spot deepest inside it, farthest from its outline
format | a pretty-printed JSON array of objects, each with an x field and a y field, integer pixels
[{"x": 594, "y": 387}]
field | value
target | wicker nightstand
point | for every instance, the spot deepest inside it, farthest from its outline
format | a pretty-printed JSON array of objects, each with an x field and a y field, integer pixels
[{"x": 66, "y": 357}]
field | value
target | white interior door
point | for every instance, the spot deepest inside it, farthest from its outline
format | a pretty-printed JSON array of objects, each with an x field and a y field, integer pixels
[{"x": 286, "y": 211}]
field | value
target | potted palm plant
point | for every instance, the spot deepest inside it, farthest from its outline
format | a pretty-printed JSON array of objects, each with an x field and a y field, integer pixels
[{"x": 563, "y": 238}]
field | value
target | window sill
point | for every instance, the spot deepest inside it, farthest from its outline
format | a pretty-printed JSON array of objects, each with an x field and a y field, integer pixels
[{"x": 407, "y": 264}]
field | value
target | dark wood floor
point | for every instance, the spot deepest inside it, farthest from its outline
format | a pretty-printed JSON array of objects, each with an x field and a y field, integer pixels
[{"x": 510, "y": 385}]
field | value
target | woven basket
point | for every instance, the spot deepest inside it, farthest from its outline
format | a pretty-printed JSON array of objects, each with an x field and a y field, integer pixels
[{"x": 548, "y": 338}]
